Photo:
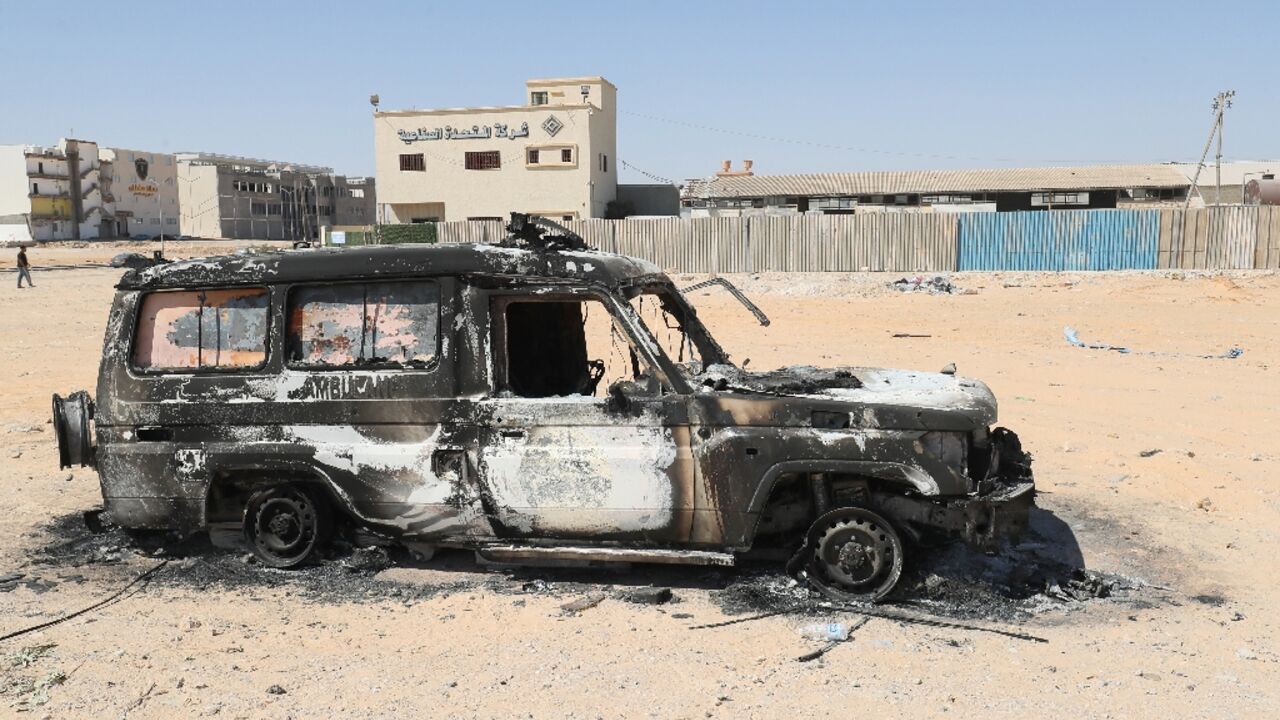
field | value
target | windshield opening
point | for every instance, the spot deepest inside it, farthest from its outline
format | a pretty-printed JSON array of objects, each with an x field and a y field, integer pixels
[{"x": 674, "y": 324}]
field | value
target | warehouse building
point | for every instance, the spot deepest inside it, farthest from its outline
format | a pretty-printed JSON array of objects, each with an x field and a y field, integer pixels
[
  {"x": 554, "y": 154},
  {"x": 743, "y": 192},
  {"x": 225, "y": 196}
]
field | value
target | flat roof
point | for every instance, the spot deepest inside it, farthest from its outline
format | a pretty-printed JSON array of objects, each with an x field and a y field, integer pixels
[
  {"x": 217, "y": 159},
  {"x": 894, "y": 182}
]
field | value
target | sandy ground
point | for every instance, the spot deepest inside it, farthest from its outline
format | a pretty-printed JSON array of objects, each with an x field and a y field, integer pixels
[{"x": 1195, "y": 523}]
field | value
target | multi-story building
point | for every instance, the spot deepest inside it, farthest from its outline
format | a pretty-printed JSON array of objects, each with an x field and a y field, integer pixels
[
  {"x": 225, "y": 196},
  {"x": 554, "y": 155},
  {"x": 78, "y": 191}
]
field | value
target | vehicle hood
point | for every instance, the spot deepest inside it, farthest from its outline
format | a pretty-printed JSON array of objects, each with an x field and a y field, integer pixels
[{"x": 874, "y": 397}]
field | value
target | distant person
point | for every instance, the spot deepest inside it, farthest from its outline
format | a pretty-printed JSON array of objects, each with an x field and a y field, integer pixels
[{"x": 24, "y": 267}]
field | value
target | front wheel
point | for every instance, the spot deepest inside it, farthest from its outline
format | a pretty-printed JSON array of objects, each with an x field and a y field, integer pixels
[
  {"x": 287, "y": 525},
  {"x": 852, "y": 554}
]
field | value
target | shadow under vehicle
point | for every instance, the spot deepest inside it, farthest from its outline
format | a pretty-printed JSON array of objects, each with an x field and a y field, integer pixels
[{"x": 532, "y": 401}]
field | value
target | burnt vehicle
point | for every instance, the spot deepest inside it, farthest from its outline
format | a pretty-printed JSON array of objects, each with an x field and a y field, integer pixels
[{"x": 532, "y": 400}]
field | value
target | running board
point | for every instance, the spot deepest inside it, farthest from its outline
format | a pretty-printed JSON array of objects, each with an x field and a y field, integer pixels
[{"x": 520, "y": 553}]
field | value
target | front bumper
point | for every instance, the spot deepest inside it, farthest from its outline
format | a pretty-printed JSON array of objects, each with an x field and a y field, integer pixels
[{"x": 998, "y": 510}]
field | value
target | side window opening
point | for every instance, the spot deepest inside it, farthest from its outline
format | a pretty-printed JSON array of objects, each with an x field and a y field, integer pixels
[
  {"x": 357, "y": 324},
  {"x": 558, "y": 348},
  {"x": 202, "y": 329}
]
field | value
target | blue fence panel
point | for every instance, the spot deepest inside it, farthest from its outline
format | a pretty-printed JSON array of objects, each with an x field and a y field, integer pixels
[{"x": 1060, "y": 240}]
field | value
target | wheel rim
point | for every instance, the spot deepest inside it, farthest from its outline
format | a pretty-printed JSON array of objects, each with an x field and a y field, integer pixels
[
  {"x": 285, "y": 527},
  {"x": 858, "y": 553}
]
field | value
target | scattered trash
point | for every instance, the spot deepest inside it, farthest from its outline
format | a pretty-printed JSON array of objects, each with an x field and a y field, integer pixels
[
  {"x": 910, "y": 335},
  {"x": 1151, "y": 452},
  {"x": 1072, "y": 337},
  {"x": 583, "y": 603},
  {"x": 1205, "y": 504},
  {"x": 836, "y": 634},
  {"x": 825, "y": 631},
  {"x": 276, "y": 690},
  {"x": 936, "y": 285}
]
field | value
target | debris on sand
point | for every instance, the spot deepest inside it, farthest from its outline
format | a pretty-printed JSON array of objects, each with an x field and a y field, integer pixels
[
  {"x": 1072, "y": 337},
  {"x": 647, "y": 595},
  {"x": 583, "y": 603},
  {"x": 936, "y": 285}
]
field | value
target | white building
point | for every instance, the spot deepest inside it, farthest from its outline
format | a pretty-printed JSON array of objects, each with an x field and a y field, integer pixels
[
  {"x": 554, "y": 155},
  {"x": 77, "y": 191}
]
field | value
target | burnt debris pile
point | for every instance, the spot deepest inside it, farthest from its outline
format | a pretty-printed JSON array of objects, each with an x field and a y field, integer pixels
[
  {"x": 1040, "y": 573},
  {"x": 1043, "y": 571}
]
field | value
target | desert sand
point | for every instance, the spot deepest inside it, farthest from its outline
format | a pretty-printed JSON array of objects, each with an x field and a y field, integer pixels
[{"x": 1193, "y": 526}]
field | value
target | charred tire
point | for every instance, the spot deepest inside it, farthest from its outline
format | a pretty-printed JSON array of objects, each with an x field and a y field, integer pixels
[
  {"x": 853, "y": 554},
  {"x": 287, "y": 525},
  {"x": 71, "y": 416}
]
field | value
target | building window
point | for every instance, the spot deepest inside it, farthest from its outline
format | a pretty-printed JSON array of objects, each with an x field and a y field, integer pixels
[
  {"x": 35, "y": 188},
  {"x": 538, "y": 98},
  {"x": 40, "y": 168},
  {"x": 533, "y": 156},
  {"x": 566, "y": 218},
  {"x": 412, "y": 163},
  {"x": 484, "y": 160},
  {"x": 604, "y": 163},
  {"x": 1058, "y": 198},
  {"x": 483, "y": 218},
  {"x": 566, "y": 155}
]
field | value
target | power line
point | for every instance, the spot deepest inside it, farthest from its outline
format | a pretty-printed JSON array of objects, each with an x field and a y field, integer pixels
[{"x": 651, "y": 176}]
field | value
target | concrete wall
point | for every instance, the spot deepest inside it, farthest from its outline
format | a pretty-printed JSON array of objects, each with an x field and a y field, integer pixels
[
  {"x": 653, "y": 199},
  {"x": 13, "y": 181},
  {"x": 199, "y": 203}
]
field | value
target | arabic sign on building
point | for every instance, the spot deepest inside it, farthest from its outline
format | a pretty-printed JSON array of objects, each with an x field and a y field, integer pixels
[
  {"x": 144, "y": 189},
  {"x": 475, "y": 132}
]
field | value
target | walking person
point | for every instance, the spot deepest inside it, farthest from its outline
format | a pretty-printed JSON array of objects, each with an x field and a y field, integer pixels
[{"x": 24, "y": 267}]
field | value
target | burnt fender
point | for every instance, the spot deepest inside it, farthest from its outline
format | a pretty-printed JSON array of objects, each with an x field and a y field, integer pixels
[
  {"x": 895, "y": 473},
  {"x": 288, "y": 470}
]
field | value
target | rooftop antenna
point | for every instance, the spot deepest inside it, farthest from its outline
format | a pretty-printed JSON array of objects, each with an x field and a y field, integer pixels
[{"x": 1221, "y": 102}]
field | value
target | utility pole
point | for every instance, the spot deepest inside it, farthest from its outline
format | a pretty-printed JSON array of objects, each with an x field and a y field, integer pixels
[{"x": 1220, "y": 104}]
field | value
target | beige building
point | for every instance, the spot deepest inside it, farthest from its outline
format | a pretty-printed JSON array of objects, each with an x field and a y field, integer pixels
[
  {"x": 143, "y": 188},
  {"x": 553, "y": 155},
  {"x": 224, "y": 196}
]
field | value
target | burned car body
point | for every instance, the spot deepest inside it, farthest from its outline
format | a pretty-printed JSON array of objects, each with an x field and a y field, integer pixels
[{"x": 526, "y": 401}]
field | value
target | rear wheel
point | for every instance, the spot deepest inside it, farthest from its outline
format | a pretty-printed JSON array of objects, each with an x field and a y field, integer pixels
[
  {"x": 854, "y": 555},
  {"x": 287, "y": 525}
]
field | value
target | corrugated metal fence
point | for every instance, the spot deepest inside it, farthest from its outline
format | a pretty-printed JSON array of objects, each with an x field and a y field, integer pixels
[
  {"x": 1205, "y": 238},
  {"x": 1062, "y": 240}
]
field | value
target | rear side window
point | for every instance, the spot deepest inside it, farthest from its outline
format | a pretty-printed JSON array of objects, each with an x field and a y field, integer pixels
[
  {"x": 387, "y": 324},
  {"x": 202, "y": 329}
]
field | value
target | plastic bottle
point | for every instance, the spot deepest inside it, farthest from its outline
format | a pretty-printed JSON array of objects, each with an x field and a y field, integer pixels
[{"x": 825, "y": 631}]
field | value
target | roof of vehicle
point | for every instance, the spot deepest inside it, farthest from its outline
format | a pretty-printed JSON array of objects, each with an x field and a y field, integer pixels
[{"x": 371, "y": 262}]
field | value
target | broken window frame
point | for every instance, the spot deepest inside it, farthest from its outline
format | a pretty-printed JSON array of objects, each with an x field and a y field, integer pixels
[
  {"x": 198, "y": 369},
  {"x": 380, "y": 365},
  {"x": 649, "y": 354},
  {"x": 708, "y": 348}
]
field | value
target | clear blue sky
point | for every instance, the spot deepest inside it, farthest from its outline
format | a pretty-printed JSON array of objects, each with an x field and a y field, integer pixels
[{"x": 893, "y": 85}]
